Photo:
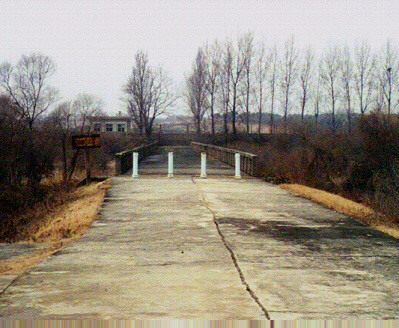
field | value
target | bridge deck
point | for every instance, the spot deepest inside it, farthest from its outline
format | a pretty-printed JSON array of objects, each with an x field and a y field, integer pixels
[
  {"x": 187, "y": 161},
  {"x": 215, "y": 248}
]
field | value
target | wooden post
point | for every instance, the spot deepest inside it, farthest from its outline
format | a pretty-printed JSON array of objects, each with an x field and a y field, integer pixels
[{"x": 88, "y": 172}]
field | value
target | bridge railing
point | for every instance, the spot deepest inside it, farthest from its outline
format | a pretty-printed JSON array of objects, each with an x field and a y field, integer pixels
[
  {"x": 249, "y": 162},
  {"x": 124, "y": 159}
]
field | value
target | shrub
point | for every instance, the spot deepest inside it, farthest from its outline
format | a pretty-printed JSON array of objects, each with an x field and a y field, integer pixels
[
  {"x": 363, "y": 165},
  {"x": 376, "y": 172},
  {"x": 20, "y": 206}
]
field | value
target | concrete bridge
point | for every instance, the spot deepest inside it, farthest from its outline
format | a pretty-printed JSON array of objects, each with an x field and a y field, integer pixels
[{"x": 215, "y": 248}]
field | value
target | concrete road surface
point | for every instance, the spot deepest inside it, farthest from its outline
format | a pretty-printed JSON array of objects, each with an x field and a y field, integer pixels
[{"x": 215, "y": 248}]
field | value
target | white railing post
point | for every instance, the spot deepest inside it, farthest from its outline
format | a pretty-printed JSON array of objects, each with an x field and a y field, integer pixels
[
  {"x": 238, "y": 166},
  {"x": 170, "y": 164},
  {"x": 135, "y": 172},
  {"x": 203, "y": 165}
]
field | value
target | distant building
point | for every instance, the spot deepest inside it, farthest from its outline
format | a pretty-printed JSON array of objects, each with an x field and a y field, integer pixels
[{"x": 110, "y": 123}]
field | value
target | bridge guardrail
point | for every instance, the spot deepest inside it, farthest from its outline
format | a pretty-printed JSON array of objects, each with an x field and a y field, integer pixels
[
  {"x": 249, "y": 162},
  {"x": 124, "y": 159}
]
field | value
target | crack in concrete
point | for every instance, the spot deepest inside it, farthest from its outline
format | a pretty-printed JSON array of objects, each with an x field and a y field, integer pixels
[
  {"x": 10, "y": 283},
  {"x": 232, "y": 255}
]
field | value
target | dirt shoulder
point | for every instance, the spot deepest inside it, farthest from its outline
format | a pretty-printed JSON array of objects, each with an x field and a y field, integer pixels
[
  {"x": 60, "y": 227},
  {"x": 345, "y": 206}
]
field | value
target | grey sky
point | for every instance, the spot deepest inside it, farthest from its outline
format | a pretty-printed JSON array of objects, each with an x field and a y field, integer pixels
[{"x": 93, "y": 42}]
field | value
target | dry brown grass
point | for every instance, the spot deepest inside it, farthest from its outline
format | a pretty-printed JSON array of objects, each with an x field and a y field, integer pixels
[
  {"x": 60, "y": 227},
  {"x": 19, "y": 264},
  {"x": 72, "y": 219},
  {"x": 345, "y": 206}
]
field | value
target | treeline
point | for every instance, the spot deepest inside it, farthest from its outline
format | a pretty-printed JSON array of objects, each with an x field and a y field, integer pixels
[
  {"x": 35, "y": 141},
  {"x": 36, "y": 128},
  {"x": 331, "y": 118},
  {"x": 237, "y": 79}
]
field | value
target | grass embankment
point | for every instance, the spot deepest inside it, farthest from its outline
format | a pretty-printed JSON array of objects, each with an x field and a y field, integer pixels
[
  {"x": 59, "y": 227},
  {"x": 345, "y": 206}
]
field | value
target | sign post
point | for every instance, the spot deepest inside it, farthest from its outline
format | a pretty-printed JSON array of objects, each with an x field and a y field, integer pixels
[
  {"x": 88, "y": 171},
  {"x": 86, "y": 142}
]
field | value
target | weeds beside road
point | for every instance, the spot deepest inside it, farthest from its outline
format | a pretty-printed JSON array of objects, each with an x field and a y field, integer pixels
[
  {"x": 361, "y": 213},
  {"x": 361, "y": 166},
  {"x": 57, "y": 227}
]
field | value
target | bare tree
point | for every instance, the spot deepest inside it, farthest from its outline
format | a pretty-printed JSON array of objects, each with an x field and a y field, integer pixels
[
  {"x": 329, "y": 70},
  {"x": 84, "y": 106},
  {"x": 61, "y": 121},
  {"x": 347, "y": 83},
  {"x": 26, "y": 85},
  {"x": 388, "y": 74},
  {"x": 247, "y": 53},
  {"x": 261, "y": 70},
  {"x": 318, "y": 96},
  {"x": 236, "y": 74},
  {"x": 11, "y": 143},
  {"x": 148, "y": 94},
  {"x": 378, "y": 96},
  {"x": 225, "y": 79},
  {"x": 213, "y": 57},
  {"x": 289, "y": 75},
  {"x": 364, "y": 75},
  {"x": 71, "y": 117},
  {"x": 305, "y": 78},
  {"x": 197, "y": 90},
  {"x": 273, "y": 78}
]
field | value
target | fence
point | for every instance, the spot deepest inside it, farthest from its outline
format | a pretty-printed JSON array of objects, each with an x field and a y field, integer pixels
[
  {"x": 249, "y": 162},
  {"x": 124, "y": 160}
]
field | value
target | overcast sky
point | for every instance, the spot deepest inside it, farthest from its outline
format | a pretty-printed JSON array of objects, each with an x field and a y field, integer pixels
[{"x": 93, "y": 42}]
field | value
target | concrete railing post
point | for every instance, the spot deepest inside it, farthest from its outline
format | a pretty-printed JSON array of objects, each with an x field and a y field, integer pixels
[
  {"x": 248, "y": 162},
  {"x": 203, "y": 165},
  {"x": 135, "y": 173},
  {"x": 170, "y": 164},
  {"x": 238, "y": 166}
]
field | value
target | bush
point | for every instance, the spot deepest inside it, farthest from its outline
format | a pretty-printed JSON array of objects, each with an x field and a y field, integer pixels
[
  {"x": 363, "y": 165},
  {"x": 376, "y": 173},
  {"x": 26, "y": 152},
  {"x": 24, "y": 205}
]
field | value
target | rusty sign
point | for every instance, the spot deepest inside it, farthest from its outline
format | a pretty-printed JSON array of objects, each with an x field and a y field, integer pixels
[{"x": 85, "y": 142}]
